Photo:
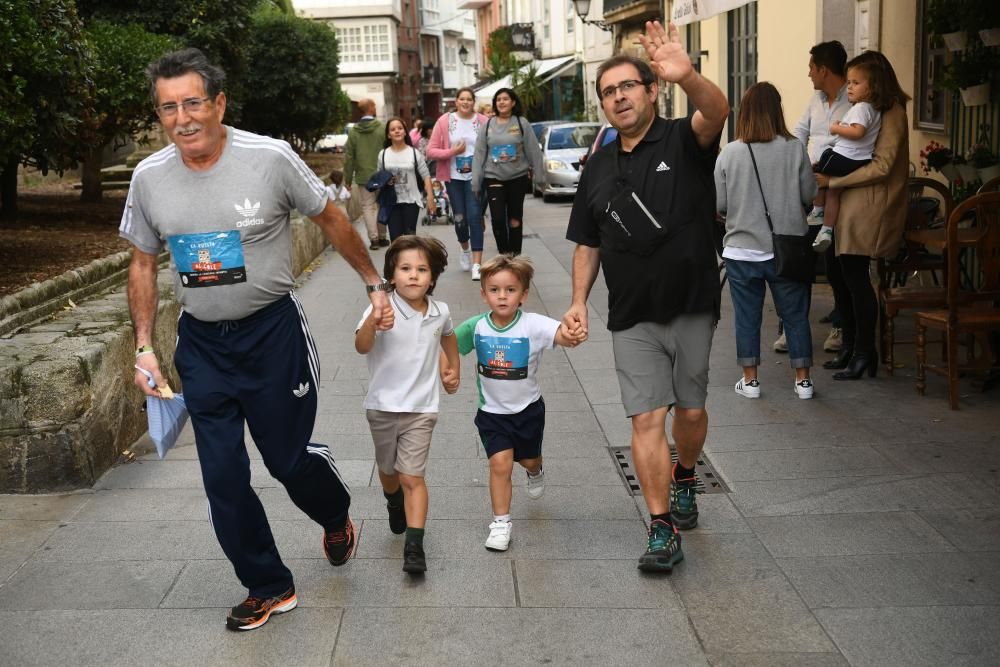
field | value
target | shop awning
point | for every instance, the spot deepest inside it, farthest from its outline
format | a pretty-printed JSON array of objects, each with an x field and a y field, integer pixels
[
  {"x": 546, "y": 70},
  {"x": 689, "y": 11}
]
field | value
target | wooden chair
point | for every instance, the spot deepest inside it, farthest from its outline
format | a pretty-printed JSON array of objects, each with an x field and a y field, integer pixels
[
  {"x": 894, "y": 294},
  {"x": 992, "y": 185},
  {"x": 969, "y": 311}
]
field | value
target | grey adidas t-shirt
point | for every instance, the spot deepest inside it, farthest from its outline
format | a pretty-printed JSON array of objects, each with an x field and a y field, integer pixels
[{"x": 227, "y": 228}]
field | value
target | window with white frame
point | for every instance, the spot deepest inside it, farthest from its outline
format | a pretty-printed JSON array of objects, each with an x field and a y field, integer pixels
[
  {"x": 369, "y": 43},
  {"x": 450, "y": 57},
  {"x": 570, "y": 17},
  {"x": 547, "y": 23}
]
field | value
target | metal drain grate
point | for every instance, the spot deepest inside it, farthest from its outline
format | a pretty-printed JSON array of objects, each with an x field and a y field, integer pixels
[{"x": 708, "y": 479}]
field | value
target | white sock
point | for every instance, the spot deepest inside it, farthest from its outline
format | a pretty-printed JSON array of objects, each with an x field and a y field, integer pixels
[
  {"x": 502, "y": 517},
  {"x": 536, "y": 473},
  {"x": 817, "y": 209}
]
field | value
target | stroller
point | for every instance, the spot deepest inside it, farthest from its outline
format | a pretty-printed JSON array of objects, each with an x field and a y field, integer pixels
[{"x": 444, "y": 215}]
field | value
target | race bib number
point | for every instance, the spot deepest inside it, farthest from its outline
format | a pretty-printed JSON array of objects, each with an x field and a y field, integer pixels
[
  {"x": 463, "y": 164},
  {"x": 502, "y": 358},
  {"x": 207, "y": 260},
  {"x": 503, "y": 153}
]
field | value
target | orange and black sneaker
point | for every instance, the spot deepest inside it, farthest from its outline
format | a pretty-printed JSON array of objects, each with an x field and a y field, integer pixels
[
  {"x": 254, "y": 612},
  {"x": 339, "y": 545}
]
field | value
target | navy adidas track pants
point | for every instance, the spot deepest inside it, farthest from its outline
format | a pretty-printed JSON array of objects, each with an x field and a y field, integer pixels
[{"x": 262, "y": 370}]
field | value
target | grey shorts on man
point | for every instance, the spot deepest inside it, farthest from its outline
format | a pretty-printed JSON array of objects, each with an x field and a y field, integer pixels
[{"x": 660, "y": 365}]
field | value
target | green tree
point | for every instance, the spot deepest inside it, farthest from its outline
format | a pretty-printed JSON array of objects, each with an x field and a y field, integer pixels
[
  {"x": 45, "y": 89},
  {"x": 220, "y": 29},
  {"x": 122, "y": 108},
  {"x": 528, "y": 86},
  {"x": 499, "y": 59},
  {"x": 294, "y": 64}
]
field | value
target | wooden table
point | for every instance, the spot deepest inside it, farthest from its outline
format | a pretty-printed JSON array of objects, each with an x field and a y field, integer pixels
[{"x": 938, "y": 237}]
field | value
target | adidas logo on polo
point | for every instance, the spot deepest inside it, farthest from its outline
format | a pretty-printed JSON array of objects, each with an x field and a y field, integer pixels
[
  {"x": 662, "y": 167},
  {"x": 302, "y": 390}
]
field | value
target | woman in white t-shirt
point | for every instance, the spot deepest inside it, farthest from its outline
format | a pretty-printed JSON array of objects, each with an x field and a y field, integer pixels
[
  {"x": 452, "y": 144},
  {"x": 410, "y": 177}
]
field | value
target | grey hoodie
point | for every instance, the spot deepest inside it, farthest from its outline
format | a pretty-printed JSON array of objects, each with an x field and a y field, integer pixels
[{"x": 505, "y": 150}]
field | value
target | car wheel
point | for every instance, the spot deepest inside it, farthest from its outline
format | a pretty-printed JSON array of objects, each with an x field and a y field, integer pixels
[
  {"x": 536, "y": 192},
  {"x": 548, "y": 198}
]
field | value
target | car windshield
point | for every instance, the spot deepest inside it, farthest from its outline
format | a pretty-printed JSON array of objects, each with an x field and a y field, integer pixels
[{"x": 572, "y": 137}]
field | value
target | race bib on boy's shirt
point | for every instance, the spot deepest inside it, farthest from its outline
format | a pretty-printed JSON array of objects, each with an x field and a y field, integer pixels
[
  {"x": 463, "y": 164},
  {"x": 207, "y": 260},
  {"x": 504, "y": 153},
  {"x": 502, "y": 358}
]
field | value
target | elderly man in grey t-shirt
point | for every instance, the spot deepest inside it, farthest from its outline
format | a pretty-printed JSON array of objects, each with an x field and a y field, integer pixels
[{"x": 219, "y": 199}]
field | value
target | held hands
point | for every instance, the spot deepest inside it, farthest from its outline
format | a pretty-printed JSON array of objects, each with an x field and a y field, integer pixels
[
  {"x": 667, "y": 56},
  {"x": 574, "y": 324},
  {"x": 382, "y": 316},
  {"x": 822, "y": 180},
  {"x": 345, "y": 194},
  {"x": 450, "y": 379}
]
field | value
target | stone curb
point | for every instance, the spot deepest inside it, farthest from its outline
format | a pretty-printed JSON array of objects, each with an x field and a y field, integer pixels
[{"x": 67, "y": 403}]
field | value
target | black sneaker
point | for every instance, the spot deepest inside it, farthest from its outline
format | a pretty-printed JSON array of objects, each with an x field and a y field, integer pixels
[
  {"x": 374, "y": 246},
  {"x": 383, "y": 243},
  {"x": 663, "y": 550},
  {"x": 683, "y": 504},
  {"x": 413, "y": 558},
  {"x": 339, "y": 545},
  {"x": 254, "y": 612},
  {"x": 397, "y": 518}
]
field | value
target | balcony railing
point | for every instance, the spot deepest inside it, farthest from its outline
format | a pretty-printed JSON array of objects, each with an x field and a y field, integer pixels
[{"x": 432, "y": 75}]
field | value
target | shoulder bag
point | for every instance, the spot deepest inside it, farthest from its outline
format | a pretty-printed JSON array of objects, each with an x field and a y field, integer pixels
[{"x": 794, "y": 257}]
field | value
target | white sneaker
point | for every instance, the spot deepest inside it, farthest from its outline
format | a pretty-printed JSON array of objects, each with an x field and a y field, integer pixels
[
  {"x": 835, "y": 341},
  {"x": 804, "y": 388},
  {"x": 465, "y": 260},
  {"x": 536, "y": 485},
  {"x": 499, "y": 538},
  {"x": 815, "y": 217},
  {"x": 748, "y": 388},
  {"x": 781, "y": 345},
  {"x": 823, "y": 239},
  {"x": 475, "y": 272}
]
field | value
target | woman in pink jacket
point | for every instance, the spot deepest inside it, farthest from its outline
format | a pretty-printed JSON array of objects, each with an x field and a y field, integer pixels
[{"x": 452, "y": 145}]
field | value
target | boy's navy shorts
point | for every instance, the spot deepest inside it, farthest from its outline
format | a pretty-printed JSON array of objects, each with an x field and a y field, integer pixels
[{"x": 521, "y": 431}]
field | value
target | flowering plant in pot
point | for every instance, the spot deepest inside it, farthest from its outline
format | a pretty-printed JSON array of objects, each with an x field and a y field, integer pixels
[
  {"x": 936, "y": 157},
  {"x": 969, "y": 73},
  {"x": 982, "y": 158}
]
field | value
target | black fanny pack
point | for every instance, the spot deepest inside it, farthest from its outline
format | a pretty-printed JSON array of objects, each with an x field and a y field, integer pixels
[{"x": 632, "y": 226}]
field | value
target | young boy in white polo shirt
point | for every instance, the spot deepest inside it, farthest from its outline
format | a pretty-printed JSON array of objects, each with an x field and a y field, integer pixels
[
  {"x": 403, "y": 368},
  {"x": 511, "y": 417}
]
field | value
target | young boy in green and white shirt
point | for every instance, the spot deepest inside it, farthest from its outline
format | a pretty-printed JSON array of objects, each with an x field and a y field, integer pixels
[{"x": 511, "y": 417}]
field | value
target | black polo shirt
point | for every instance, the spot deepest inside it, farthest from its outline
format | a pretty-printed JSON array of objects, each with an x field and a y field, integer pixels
[{"x": 673, "y": 176}]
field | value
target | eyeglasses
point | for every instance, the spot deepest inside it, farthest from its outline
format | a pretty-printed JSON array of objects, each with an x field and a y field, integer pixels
[
  {"x": 191, "y": 105},
  {"x": 625, "y": 86}
]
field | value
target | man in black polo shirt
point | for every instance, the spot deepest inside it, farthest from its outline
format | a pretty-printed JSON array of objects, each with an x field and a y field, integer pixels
[{"x": 644, "y": 212}]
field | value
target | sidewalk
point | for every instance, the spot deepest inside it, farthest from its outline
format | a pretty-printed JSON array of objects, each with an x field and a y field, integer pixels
[{"x": 861, "y": 527}]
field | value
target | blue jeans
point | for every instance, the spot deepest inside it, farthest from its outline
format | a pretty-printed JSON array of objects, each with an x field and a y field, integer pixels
[
  {"x": 746, "y": 285},
  {"x": 468, "y": 214}
]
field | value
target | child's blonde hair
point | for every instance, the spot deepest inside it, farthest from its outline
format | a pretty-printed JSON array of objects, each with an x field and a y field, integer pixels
[
  {"x": 520, "y": 266},
  {"x": 434, "y": 250}
]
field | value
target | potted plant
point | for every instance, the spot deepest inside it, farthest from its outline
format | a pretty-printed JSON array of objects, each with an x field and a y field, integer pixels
[
  {"x": 945, "y": 19},
  {"x": 982, "y": 158},
  {"x": 983, "y": 16},
  {"x": 936, "y": 157},
  {"x": 969, "y": 73}
]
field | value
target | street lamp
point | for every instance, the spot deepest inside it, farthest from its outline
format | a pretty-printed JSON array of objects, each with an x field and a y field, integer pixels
[
  {"x": 463, "y": 57},
  {"x": 582, "y": 9}
]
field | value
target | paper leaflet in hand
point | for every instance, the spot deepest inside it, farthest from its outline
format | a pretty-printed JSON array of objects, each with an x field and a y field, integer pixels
[{"x": 166, "y": 416}]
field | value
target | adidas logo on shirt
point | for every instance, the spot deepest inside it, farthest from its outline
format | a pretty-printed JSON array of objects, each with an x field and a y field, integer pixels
[
  {"x": 662, "y": 167},
  {"x": 302, "y": 390}
]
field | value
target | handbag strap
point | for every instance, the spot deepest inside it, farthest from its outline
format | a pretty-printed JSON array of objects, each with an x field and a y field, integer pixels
[{"x": 767, "y": 214}]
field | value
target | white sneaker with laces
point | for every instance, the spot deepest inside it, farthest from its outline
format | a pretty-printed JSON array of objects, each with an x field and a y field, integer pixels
[
  {"x": 499, "y": 538},
  {"x": 804, "y": 388},
  {"x": 536, "y": 484},
  {"x": 835, "y": 341},
  {"x": 475, "y": 272},
  {"x": 815, "y": 217},
  {"x": 465, "y": 260},
  {"x": 781, "y": 345},
  {"x": 748, "y": 388},
  {"x": 823, "y": 239}
]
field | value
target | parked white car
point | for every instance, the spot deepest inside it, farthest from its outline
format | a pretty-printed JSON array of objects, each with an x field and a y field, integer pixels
[{"x": 563, "y": 145}]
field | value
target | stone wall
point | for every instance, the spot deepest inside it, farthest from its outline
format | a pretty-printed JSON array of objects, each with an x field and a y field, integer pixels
[{"x": 68, "y": 406}]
